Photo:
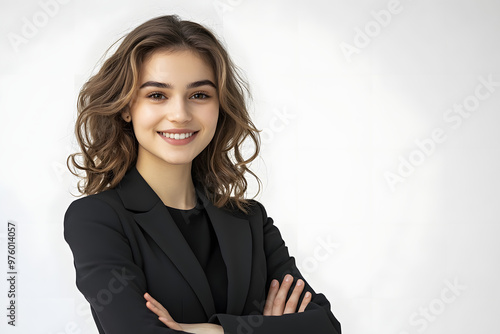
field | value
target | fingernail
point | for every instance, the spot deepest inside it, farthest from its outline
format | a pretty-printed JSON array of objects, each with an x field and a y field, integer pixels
[
  {"x": 288, "y": 278},
  {"x": 308, "y": 295},
  {"x": 274, "y": 283},
  {"x": 300, "y": 282}
]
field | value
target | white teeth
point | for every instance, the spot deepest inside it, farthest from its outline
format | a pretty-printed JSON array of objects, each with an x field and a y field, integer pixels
[{"x": 177, "y": 135}]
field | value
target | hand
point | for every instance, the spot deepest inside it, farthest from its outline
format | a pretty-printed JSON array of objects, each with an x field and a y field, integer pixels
[
  {"x": 165, "y": 317},
  {"x": 276, "y": 298}
]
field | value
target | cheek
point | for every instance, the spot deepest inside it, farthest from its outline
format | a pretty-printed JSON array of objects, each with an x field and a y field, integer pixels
[
  {"x": 211, "y": 116},
  {"x": 144, "y": 119}
]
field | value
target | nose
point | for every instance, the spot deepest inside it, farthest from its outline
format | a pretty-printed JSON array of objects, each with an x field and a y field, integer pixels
[{"x": 177, "y": 111}]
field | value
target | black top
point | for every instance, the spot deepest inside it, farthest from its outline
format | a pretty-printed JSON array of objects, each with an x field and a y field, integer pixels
[{"x": 197, "y": 229}]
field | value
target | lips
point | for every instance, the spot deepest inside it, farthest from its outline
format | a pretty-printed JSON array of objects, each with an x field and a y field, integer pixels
[{"x": 178, "y": 137}]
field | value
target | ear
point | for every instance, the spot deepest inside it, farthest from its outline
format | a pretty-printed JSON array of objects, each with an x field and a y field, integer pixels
[{"x": 126, "y": 116}]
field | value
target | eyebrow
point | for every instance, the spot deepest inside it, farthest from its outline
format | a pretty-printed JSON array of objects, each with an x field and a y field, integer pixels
[{"x": 169, "y": 86}]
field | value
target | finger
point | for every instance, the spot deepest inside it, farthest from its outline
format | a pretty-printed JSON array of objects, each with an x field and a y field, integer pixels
[
  {"x": 156, "y": 307},
  {"x": 273, "y": 291},
  {"x": 293, "y": 300},
  {"x": 161, "y": 312},
  {"x": 170, "y": 323},
  {"x": 156, "y": 310},
  {"x": 153, "y": 301},
  {"x": 280, "y": 299},
  {"x": 305, "y": 301}
]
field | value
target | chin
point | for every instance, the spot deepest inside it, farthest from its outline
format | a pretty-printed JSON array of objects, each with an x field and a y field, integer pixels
[{"x": 177, "y": 161}]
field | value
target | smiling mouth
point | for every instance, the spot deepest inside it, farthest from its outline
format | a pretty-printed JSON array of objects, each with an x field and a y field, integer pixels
[{"x": 177, "y": 136}]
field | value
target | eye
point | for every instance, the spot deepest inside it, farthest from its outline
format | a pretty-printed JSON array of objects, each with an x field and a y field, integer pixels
[
  {"x": 199, "y": 96},
  {"x": 156, "y": 96}
]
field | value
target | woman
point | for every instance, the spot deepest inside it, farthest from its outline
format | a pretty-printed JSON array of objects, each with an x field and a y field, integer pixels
[{"x": 160, "y": 128}]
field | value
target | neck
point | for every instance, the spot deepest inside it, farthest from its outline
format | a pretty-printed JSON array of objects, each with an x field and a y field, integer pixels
[{"x": 172, "y": 183}]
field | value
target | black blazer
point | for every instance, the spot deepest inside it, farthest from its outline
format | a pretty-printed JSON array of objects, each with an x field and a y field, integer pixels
[{"x": 125, "y": 243}]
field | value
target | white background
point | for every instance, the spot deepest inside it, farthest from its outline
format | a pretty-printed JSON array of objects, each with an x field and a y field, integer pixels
[{"x": 335, "y": 126}]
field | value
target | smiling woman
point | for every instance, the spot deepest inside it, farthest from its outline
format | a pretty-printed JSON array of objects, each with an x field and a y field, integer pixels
[
  {"x": 165, "y": 241},
  {"x": 174, "y": 113}
]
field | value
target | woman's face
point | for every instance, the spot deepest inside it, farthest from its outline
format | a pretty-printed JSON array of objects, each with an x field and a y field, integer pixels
[{"x": 175, "y": 110}]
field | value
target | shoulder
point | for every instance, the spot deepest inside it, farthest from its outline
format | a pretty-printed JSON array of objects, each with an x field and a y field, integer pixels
[
  {"x": 93, "y": 226},
  {"x": 99, "y": 208},
  {"x": 97, "y": 201},
  {"x": 253, "y": 210},
  {"x": 256, "y": 208}
]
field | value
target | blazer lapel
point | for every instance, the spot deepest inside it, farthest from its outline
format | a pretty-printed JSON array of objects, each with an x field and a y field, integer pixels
[
  {"x": 152, "y": 215},
  {"x": 235, "y": 241},
  {"x": 233, "y": 234}
]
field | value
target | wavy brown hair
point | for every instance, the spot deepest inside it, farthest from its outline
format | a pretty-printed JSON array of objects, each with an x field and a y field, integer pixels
[{"x": 108, "y": 145}]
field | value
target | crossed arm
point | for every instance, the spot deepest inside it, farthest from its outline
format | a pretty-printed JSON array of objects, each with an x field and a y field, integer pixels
[
  {"x": 276, "y": 305},
  {"x": 102, "y": 254}
]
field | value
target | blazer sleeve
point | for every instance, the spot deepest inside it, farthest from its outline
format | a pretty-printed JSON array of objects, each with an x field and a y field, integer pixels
[
  {"x": 317, "y": 317},
  {"x": 105, "y": 271}
]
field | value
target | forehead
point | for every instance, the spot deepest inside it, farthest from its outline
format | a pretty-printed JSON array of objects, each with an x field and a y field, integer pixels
[{"x": 178, "y": 65}]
